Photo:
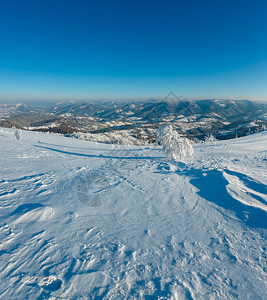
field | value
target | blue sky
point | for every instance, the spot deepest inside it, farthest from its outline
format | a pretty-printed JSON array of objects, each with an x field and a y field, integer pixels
[{"x": 103, "y": 49}]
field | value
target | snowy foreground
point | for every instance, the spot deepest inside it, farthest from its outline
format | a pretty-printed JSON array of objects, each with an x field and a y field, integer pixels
[{"x": 81, "y": 220}]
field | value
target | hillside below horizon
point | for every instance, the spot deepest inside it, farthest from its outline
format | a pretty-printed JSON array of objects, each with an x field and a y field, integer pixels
[{"x": 135, "y": 122}]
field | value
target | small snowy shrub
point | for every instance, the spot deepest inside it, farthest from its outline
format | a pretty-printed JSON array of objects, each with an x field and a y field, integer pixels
[
  {"x": 210, "y": 138},
  {"x": 18, "y": 134},
  {"x": 174, "y": 146}
]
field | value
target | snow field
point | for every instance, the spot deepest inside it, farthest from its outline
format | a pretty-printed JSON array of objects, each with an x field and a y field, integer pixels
[{"x": 81, "y": 220}]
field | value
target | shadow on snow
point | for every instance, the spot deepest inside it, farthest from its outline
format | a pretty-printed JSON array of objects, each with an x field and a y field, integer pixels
[
  {"x": 212, "y": 186},
  {"x": 101, "y": 155}
]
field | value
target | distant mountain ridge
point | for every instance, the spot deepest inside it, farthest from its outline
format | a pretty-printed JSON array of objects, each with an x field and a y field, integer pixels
[
  {"x": 151, "y": 109},
  {"x": 193, "y": 118}
]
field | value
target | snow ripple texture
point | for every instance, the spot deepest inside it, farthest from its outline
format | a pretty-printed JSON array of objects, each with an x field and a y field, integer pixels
[{"x": 81, "y": 220}]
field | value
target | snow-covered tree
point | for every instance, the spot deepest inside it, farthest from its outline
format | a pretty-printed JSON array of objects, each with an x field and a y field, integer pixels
[
  {"x": 210, "y": 138},
  {"x": 18, "y": 134},
  {"x": 174, "y": 146}
]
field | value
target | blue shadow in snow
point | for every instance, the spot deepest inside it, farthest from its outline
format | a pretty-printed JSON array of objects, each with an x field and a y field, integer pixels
[
  {"x": 212, "y": 186},
  {"x": 101, "y": 155},
  {"x": 250, "y": 183},
  {"x": 95, "y": 149},
  {"x": 24, "y": 208}
]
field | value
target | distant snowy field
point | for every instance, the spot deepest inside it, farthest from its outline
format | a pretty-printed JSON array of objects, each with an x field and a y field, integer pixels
[{"x": 81, "y": 220}]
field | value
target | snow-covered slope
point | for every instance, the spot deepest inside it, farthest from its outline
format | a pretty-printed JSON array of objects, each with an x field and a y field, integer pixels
[{"x": 81, "y": 220}]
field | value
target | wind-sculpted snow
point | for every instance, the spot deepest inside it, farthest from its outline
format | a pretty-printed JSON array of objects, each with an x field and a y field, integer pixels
[
  {"x": 82, "y": 220},
  {"x": 218, "y": 187}
]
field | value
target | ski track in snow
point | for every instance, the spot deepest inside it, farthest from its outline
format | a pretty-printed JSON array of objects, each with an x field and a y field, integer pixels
[{"x": 81, "y": 220}]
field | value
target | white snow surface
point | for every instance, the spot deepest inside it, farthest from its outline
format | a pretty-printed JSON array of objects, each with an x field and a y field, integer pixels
[{"x": 82, "y": 220}]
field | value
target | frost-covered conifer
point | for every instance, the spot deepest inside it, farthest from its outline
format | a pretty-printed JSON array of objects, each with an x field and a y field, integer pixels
[
  {"x": 174, "y": 146},
  {"x": 210, "y": 138}
]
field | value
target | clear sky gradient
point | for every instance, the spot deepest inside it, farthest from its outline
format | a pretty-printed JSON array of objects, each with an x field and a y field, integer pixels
[{"x": 85, "y": 49}]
